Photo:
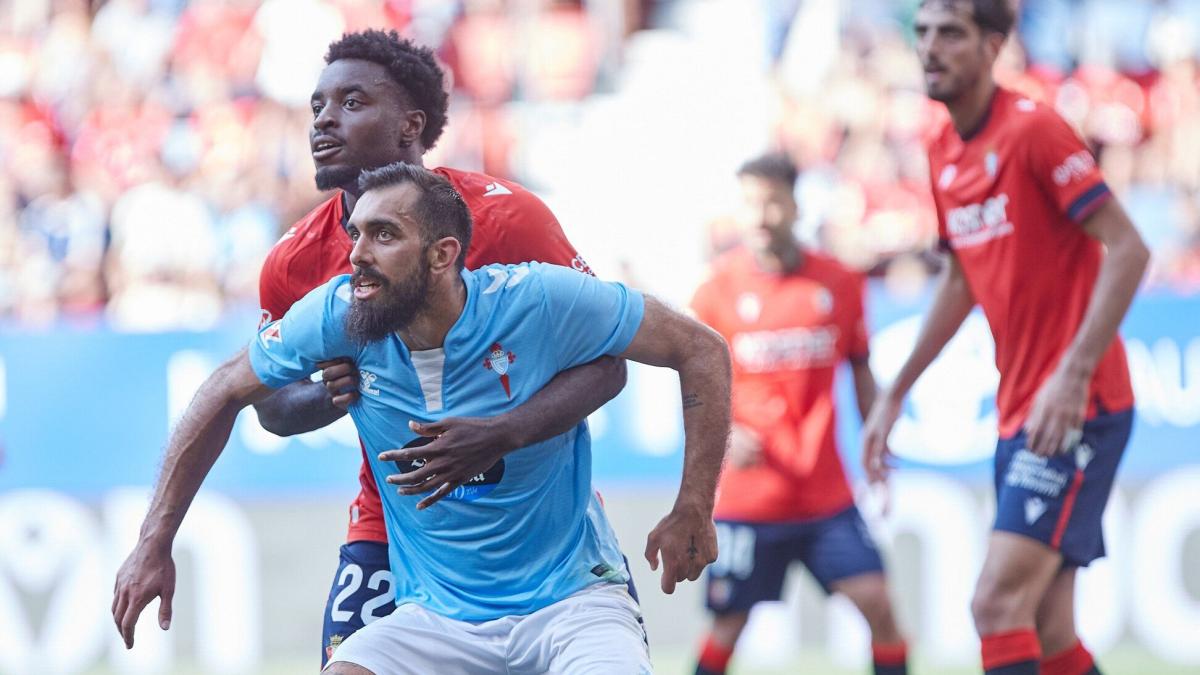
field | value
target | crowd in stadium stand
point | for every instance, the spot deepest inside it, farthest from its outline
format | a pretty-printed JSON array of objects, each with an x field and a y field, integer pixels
[{"x": 153, "y": 150}]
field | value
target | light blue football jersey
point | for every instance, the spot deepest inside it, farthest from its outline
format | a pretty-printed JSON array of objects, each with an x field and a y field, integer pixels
[{"x": 529, "y": 531}]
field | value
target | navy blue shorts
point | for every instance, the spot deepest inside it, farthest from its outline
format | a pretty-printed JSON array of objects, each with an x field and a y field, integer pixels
[
  {"x": 362, "y": 592},
  {"x": 753, "y": 558},
  {"x": 1060, "y": 500}
]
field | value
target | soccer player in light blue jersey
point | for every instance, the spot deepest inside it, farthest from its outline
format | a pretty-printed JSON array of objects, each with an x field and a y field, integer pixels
[{"x": 515, "y": 569}]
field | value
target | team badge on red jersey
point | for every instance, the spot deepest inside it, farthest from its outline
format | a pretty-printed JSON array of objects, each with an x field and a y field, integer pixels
[{"x": 498, "y": 361}]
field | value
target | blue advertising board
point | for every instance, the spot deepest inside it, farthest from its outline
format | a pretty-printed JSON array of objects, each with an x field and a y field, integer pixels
[{"x": 84, "y": 410}]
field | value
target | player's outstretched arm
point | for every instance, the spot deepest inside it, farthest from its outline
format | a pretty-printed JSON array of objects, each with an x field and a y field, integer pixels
[
  {"x": 952, "y": 302},
  {"x": 194, "y": 446},
  {"x": 1061, "y": 404},
  {"x": 686, "y": 537},
  {"x": 468, "y": 446}
]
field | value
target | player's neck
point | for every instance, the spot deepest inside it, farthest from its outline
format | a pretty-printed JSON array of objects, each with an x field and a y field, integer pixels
[
  {"x": 970, "y": 111},
  {"x": 429, "y": 327},
  {"x": 784, "y": 261},
  {"x": 350, "y": 193}
]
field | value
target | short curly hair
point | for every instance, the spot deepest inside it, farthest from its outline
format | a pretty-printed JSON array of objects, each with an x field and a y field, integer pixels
[{"x": 411, "y": 66}]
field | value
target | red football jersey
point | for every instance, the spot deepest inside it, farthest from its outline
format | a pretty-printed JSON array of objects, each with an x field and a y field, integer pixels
[
  {"x": 510, "y": 225},
  {"x": 1010, "y": 198},
  {"x": 786, "y": 334}
]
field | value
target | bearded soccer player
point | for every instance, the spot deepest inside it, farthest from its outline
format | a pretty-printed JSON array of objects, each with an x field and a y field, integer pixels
[
  {"x": 379, "y": 100},
  {"x": 1033, "y": 235},
  {"x": 517, "y": 569},
  {"x": 791, "y": 317}
]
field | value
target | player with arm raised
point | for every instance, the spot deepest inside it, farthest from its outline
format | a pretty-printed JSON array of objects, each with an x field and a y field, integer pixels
[
  {"x": 1033, "y": 235},
  {"x": 516, "y": 570}
]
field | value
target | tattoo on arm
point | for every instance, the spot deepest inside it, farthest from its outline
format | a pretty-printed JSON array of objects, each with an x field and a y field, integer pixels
[{"x": 691, "y": 401}]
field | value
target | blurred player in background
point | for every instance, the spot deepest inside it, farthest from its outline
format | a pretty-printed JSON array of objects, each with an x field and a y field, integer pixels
[
  {"x": 1026, "y": 217},
  {"x": 380, "y": 100},
  {"x": 790, "y": 317},
  {"x": 516, "y": 570}
]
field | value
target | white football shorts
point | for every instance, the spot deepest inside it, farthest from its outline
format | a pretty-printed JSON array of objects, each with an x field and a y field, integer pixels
[{"x": 597, "y": 631}]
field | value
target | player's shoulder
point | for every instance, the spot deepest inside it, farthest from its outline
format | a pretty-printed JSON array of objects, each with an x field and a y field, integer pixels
[
  {"x": 1024, "y": 118},
  {"x": 831, "y": 271},
  {"x": 304, "y": 237},
  {"x": 729, "y": 266},
  {"x": 481, "y": 190}
]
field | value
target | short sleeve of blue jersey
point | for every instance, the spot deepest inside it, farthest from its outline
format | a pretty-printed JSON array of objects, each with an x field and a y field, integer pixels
[
  {"x": 589, "y": 318},
  {"x": 313, "y": 330}
]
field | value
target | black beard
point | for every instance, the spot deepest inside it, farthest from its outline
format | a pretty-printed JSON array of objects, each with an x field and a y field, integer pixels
[
  {"x": 393, "y": 308},
  {"x": 331, "y": 177}
]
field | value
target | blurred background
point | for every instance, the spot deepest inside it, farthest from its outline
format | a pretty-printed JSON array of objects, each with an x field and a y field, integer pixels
[{"x": 152, "y": 151}]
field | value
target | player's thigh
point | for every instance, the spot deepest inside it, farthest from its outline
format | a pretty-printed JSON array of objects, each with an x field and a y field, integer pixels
[
  {"x": 840, "y": 548},
  {"x": 752, "y": 561},
  {"x": 1059, "y": 501},
  {"x": 362, "y": 592},
  {"x": 595, "y": 632},
  {"x": 414, "y": 641}
]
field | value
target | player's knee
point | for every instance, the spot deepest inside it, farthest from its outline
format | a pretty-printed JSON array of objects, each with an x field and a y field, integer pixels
[
  {"x": 996, "y": 606},
  {"x": 345, "y": 668}
]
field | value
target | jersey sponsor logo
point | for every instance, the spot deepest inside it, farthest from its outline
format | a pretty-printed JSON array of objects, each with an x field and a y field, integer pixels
[
  {"x": 749, "y": 307},
  {"x": 366, "y": 381},
  {"x": 790, "y": 348},
  {"x": 947, "y": 176},
  {"x": 495, "y": 189},
  {"x": 1033, "y": 473},
  {"x": 1075, "y": 167},
  {"x": 498, "y": 361},
  {"x": 1034, "y": 508},
  {"x": 287, "y": 235},
  {"x": 270, "y": 334},
  {"x": 976, "y": 224},
  {"x": 472, "y": 489}
]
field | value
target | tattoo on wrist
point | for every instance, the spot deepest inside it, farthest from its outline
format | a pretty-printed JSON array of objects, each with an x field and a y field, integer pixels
[{"x": 691, "y": 401}]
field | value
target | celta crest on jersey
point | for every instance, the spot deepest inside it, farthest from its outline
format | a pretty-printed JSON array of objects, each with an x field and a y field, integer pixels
[{"x": 498, "y": 361}]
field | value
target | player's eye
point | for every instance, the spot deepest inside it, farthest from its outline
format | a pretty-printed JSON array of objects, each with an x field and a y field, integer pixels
[
  {"x": 353, "y": 234},
  {"x": 384, "y": 235},
  {"x": 316, "y": 109},
  {"x": 352, "y": 103}
]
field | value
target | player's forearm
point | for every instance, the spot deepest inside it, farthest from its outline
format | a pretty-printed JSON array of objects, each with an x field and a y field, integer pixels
[
  {"x": 564, "y": 402},
  {"x": 194, "y": 447},
  {"x": 297, "y": 408},
  {"x": 1120, "y": 274},
  {"x": 952, "y": 303},
  {"x": 704, "y": 382},
  {"x": 865, "y": 387}
]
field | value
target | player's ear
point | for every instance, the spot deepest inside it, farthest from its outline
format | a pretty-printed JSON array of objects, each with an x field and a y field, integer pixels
[
  {"x": 413, "y": 125},
  {"x": 995, "y": 44},
  {"x": 444, "y": 253}
]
